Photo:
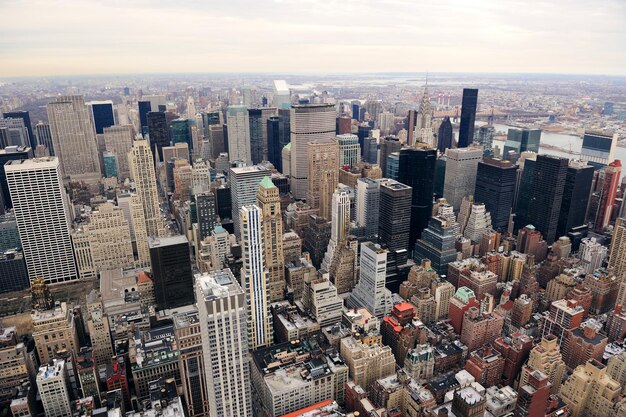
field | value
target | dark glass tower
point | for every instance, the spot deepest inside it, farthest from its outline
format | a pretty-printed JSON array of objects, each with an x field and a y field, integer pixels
[
  {"x": 495, "y": 187},
  {"x": 394, "y": 222},
  {"x": 521, "y": 140},
  {"x": 255, "y": 117},
  {"x": 524, "y": 189},
  {"x": 468, "y": 116},
  {"x": 44, "y": 137},
  {"x": 25, "y": 116},
  {"x": 171, "y": 270},
  {"x": 7, "y": 155},
  {"x": 144, "y": 108},
  {"x": 205, "y": 213},
  {"x": 440, "y": 177},
  {"x": 159, "y": 134},
  {"x": 278, "y": 136},
  {"x": 102, "y": 116},
  {"x": 363, "y": 132},
  {"x": 181, "y": 133},
  {"x": 575, "y": 197},
  {"x": 445, "y": 135},
  {"x": 388, "y": 145},
  {"x": 417, "y": 170},
  {"x": 438, "y": 243},
  {"x": 547, "y": 195}
]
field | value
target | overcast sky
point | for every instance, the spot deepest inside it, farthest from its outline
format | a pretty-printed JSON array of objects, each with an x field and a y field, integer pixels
[{"x": 66, "y": 37}]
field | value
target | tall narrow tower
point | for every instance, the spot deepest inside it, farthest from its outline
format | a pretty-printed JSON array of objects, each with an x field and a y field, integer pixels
[
  {"x": 268, "y": 201},
  {"x": 468, "y": 116},
  {"x": 142, "y": 170},
  {"x": 254, "y": 277},
  {"x": 423, "y": 126},
  {"x": 339, "y": 225},
  {"x": 323, "y": 175}
]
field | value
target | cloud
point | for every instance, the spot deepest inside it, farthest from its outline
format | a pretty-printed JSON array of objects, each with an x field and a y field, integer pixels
[{"x": 66, "y": 37}]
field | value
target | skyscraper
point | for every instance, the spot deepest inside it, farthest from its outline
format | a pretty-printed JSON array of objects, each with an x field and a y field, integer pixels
[
  {"x": 222, "y": 312},
  {"x": 576, "y": 192},
  {"x": 547, "y": 195},
  {"x": 278, "y": 136},
  {"x": 388, "y": 145},
  {"x": 171, "y": 270},
  {"x": 238, "y": 124},
  {"x": 282, "y": 95},
  {"x": 394, "y": 222},
  {"x": 526, "y": 178},
  {"x": 617, "y": 254},
  {"x": 25, "y": 116},
  {"x": 468, "y": 117},
  {"x": 268, "y": 201},
  {"x": 158, "y": 132},
  {"x": 367, "y": 207},
  {"x": 423, "y": 126},
  {"x": 180, "y": 132},
  {"x": 144, "y": 108},
  {"x": 244, "y": 183},
  {"x": 142, "y": 170},
  {"x": 521, "y": 140},
  {"x": 6, "y": 155},
  {"x": 255, "y": 278},
  {"x": 370, "y": 292},
  {"x": 119, "y": 141},
  {"x": 13, "y": 132},
  {"x": 74, "y": 137},
  {"x": 44, "y": 136},
  {"x": 340, "y": 225},
  {"x": 495, "y": 187},
  {"x": 417, "y": 170},
  {"x": 323, "y": 175},
  {"x": 460, "y": 180},
  {"x": 349, "y": 151},
  {"x": 42, "y": 214},
  {"x": 258, "y": 133},
  {"x": 102, "y": 113},
  {"x": 608, "y": 179},
  {"x": 309, "y": 122},
  {"x": 438, "y": 242},
  {"x": 52, "y": 380},
  {"x": 598, "y": 148},
  {"x": 445, "y": 135}
]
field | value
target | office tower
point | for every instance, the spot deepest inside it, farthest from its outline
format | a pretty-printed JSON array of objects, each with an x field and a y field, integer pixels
[
  {"x": 388, "y": 145},
  {"x": 445, "y": 135},
  {"x": 546, "y": 358},
  {"x": 367, "y": 208},
  {"x": 478, "y": 222},
  {"x": 598, "y": 148},
  {"x": 617, "y": 254},
  {"x": 282, "y": 96},
  {"x": 423, "y": 125},
  {"x": 344, "y": 125},
  {"x": 73, "y": 137},
  {"x": 349, "y": 150},
  {"x": 102, "y": 113},
  {"x": 171, "y": 269},
  {"x": 206, "y": 214},
  {"x": 278, "y": 136},
  {"x": 52, "y": 380},
  {"x": 394, "y": 222},
  {"x": 546, "y": 196},
  {"x": 461, "y": 168},
  {"x": 417, "y": 170},
  {"x": 99, "y": 330},
  {"x": 316, "y": 238},
  {"x": 244, "y": 183},
  {"x": 144, "y": 107},
  {"x": 13, "y": 132},
  {"x": 268, "y": 201},
  {"x": 258, "y": 133},
  {"x": 54, "y": 332},
  {"x": 213, "y": 145},
  {"x": 438, "y": 243},
  {"x": 495, "y": 187},
  {"x": 374, "y": 108},
  {"x": 484, "y": 137},
  {"x": 590, "y": 391},
  {"x": 158, "y": 132},
  {"x": 385, "y": 122},
  {"x": 222, "y": 315},
  {"x": 36, "y": 187},
  {"x": 370, "y": 292},
  {"x": 180, "y": 132},
  {"x": 526, "y": 177},
  {"x": 578, "y": 181},
  {"x": 367, "y": 363},
  {"x": 109, "y": 163},
  {"x": 238, "y": 124},
  {"x": 608, "y": 181},
  {"x": 343, "y": 278},
  {"x": 142, "y": 170},
  {"x": 468, "y": 117},
  {"x": 363, "y": 131},
  {"x": 309, "y": 123},
  {"x": 255, "y": 277},
  {"x": 323, "y": 175},
  {"x": 6, "y": 155},
  {"x": 119, "y": 141},
  {"x": 592, "y": 254},
  {"x": 533, "y": 396},
  {"x": 25, "y": 116},
  {"x": 44, "y": 136},
  {"x": 521, "y": 140}
]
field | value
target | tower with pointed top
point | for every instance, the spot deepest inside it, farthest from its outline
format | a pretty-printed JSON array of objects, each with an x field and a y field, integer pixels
[
  {"x": 268, "y": 200},
  {"x": 423, "y": 126}
]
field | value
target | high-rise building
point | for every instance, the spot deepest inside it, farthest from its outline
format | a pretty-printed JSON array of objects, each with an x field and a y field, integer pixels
[
  {"x": 617, "y": 254},
  {"x": 323, "y": 175},
  {"x": 144, "y": 107},
  {"x": 546, "y": 357},
  {"x": 590, "y": 391},
  {"x": 180, "y": 132},
  {"x": 521, "y": 140},
  {"x": 142, "y": 171},
  {"x": 370, "y": 292},
  {"x": 171, "y": 270},
  {"x": 484, "y": 137},
  {"x": 578, "y": 181},
  {"x": 158, "y": 132},
  {"x": 102, "y": 113},
  {"x": 11, "y": 153},
  {"x": 564, "y": 315},
  {"x": 206, "y": 213},
  {"x": 437, "y": 243},
  {"x": 394, "y": 222},
  {"x": 268, "y": 201},
  {"x": 445, "y": 135},
  {"x": 119, "y": 141},
  {"x": 608, "y": 181},
  {"x": 258, "y": 119},
  {"x": 546, "y": 196},
  {"x": 598, "y": 148},
  {"x": 255, "y": 277},
  {"x": 238, "y": 123},
  {"x": 244, "y": 183},
  {"x": 592, "y": 254},
  {"x": 478, "y": 222},
  {"x": 423, "y": 125},
  {"x": 99, "y": 330},
  {"x": 461, "y": 168},
  {"x": 495, "y": 187},
  {"x": 73, "y": 136},
  {"x": 349, "y": 150},
  {"x": 42, "y": 214},
  {"x": 468, "y": 117},
  {"x": 526, "y": 178},
  {"x": 532, "y": 397},
  {"x": 44, "y": 136},
  {"x": 309, "y": 122},
  {"x": 417, "y": 170},
  {"x": 278, "y": 136},
  {"x": 367, "y": 208},
  {"x": 388, "y": 145},
  {"x": 223, "y": 327},
  {"x": 13, "y": 132},
  {"x": 52, "y": 382},
  {"x": 25, "y": 116}
]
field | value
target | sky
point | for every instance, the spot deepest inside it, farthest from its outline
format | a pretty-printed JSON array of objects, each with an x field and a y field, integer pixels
[{"x": 75, "y": 37}]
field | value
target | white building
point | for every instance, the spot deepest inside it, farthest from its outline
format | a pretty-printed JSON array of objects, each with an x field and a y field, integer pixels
[
  {"x": 320, "y": 299},
  {"x": 255, "y": 277},
  {"x": 238, "y": 123},
  {"x": 282, "y": 96},
  {"x": 370, "y": 292},
  {"x": 349, "y": 149},
  {"x": 222, "y": 312},
  {"x": 340, "y": 225},
  {"x": 43, "y": 217},
  {"x": 367, "y": 207},
  {"x": 52, "y": 388},
  {"x": 244, "y": 184},
  {"x": 478, "y": 222},
  {"x": 592, "y": 254}
]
